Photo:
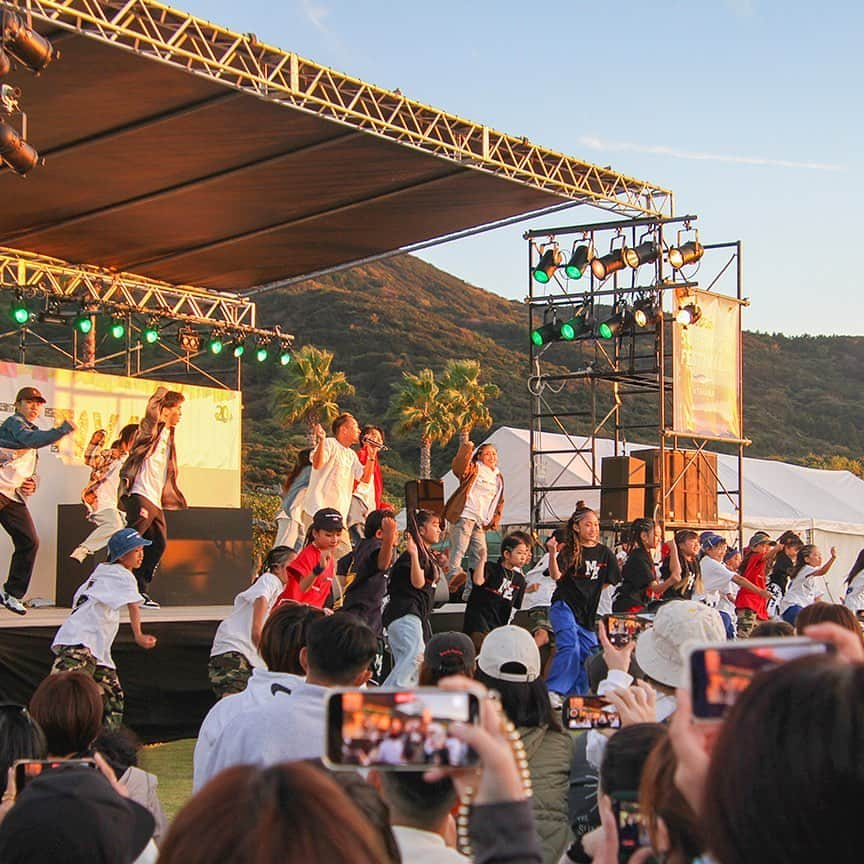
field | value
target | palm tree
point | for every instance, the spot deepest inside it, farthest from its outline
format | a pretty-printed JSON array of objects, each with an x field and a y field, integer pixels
[
  {"x": 309, "y": 390},
  {"x": 467, "y": 397},
  {"x": 418, "y": 406}
]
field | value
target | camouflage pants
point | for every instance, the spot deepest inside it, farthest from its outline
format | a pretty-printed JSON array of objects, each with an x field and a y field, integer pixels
[
  {"x": 747, "y": 620},
  {"x": 77, "y": 658},
  {"x": 228, "y": 673}
]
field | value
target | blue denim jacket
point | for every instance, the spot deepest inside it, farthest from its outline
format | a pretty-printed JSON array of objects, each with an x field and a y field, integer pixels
[{"x": 18, "y": 433}]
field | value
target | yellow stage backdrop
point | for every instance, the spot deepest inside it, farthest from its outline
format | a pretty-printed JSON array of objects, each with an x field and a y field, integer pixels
[
  {"x": 208, "y": 442},
  {"x": 706, "y": 363}
]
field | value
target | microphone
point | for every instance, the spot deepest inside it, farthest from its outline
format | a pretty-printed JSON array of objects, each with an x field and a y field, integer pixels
[{"x": 369, "y": 442}]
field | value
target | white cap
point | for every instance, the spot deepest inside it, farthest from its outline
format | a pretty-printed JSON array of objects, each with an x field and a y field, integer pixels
[
  {"x": 660, "y": 650},
  {"x": 512, "y": 647}
]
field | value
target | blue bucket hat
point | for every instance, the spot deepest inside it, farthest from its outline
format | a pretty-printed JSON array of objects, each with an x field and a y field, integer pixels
[{"x": 123, "y": 541}]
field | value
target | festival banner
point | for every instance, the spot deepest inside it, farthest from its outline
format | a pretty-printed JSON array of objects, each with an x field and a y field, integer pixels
[{"x": 706, "y": 364}]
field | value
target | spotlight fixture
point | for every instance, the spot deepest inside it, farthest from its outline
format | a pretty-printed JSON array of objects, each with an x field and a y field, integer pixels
[
  {"x": 215, "y": 343},
  {"x": 189, "y": 340},
  {"x": 262, "y": 352},
  {"x": 579, "y": 261},
  {"x": 604, "y": 267},
  {"x": 646, "y": 311},
  {"x": 150, "y": 334},
  {"x": 689, "y": 313},
  {"x": 239, "y": 347},
  {"x": 644, "y": 253},
  {"x": 550, "y": 261},
  {"x": 25, "y": 45},
  {"x": 285, "y": 354},
  {"x": 118, "y": 328},
  {"x": 20, "y": 313},
  {"x": 612, "y": 326},
  {"x": 688, "y": 253},
  {"x": 15, "y": 152},
  {"x": 83, "y": 323}
]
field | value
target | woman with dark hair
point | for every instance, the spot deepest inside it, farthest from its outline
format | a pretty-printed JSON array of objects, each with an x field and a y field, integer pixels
[
  {"x": 509, "y": 663},
  {"x": 581, "y": 568},
  {"x": 288, "y": 813},
  {"x": 640, "y": 582},
  {"x": 673, "y": 827},
  {"x": 68, "y": 708},
  {"x": 687, "y": 545},
  {"x": 819, "y": 613},
  {"x": 806, "y": 582},
  {"x": 20, "y": 738},
  {"x": 854, "y": 582},
  {"x": 786, "y": 774},
  {"x": 410, "y": 594},
  {"x": 288, "y": 519}
]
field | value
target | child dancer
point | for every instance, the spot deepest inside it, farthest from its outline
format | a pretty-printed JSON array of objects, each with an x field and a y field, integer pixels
[{"x": 310, "y": 575}]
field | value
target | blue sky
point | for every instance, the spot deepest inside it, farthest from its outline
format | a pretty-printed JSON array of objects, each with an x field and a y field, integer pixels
[{"x": 748, "y": 110}]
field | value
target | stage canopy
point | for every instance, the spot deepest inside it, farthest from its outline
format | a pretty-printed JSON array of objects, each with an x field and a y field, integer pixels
[{"x": 183, "y": 152}]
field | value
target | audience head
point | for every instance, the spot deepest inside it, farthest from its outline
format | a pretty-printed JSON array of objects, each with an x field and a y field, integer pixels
[
  {"x": 818, "y": 613},
  {"x": 20, "y": 738},
  {"x": 625, "y": 756},
  {"x": 416, "y": 803},
  {"x": 68, "y": 708},
  {"x": 71, "y": 815},
  {"x": 284, "y": 636},
  {"x": 447, "y": 654},
  {"x": 772, "y": 630},
  {"x": 119, "y": 747},
  {"x": 292, "y": 813},
  {"x": 509, "y": 662},
  {"x": 659, "y": 650},
  {"x": 674, "y": 828},
  {"x": 374, "y": 521},
  {"x": 339, "y": 650},
  {"x": 790, "y": 748}
]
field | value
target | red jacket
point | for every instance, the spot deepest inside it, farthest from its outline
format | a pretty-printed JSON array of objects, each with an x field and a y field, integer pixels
[
  {"x": 754, "y": 570},
  {"x": 377, "y": 482}
]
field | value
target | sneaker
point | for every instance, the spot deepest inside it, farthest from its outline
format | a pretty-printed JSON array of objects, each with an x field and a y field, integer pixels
[
  {"x": 79, "y": 553},
  {"x": 13, "y": 604},
  {"x": 149, "y": 602}
]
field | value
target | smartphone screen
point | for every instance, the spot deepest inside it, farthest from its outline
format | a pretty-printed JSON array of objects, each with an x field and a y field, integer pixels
[
  {"x": 720, "y": 673},
  {"x": 621, "y": 629},
  {"x": 399, "y": 730},
  {"x": 28, "y": 769},
  {"x": 631, "y": 830},
  {"x": 590, "y": 712}
]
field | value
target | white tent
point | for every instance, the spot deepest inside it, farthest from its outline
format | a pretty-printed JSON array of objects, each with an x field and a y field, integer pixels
[{"x": 825, "y": 507}]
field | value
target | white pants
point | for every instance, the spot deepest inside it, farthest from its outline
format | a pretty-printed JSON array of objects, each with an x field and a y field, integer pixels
[{"x": 107, "y": 521}]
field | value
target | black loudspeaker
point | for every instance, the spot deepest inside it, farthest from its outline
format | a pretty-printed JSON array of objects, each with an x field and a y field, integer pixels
[
  {"x": 425, "y": 495},
  {"x": 622, "y": 489}
]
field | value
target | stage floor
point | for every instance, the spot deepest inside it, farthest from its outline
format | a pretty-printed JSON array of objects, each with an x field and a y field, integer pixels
[{"x": 54, "y": 616}]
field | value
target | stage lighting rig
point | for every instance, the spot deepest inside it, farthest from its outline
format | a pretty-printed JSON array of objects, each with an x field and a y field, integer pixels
[
  {"x": 688, "y": 313},
  {"x": 646, "y": 310},
  {"x": 604, "y": 267},
  {"x": 284, "y": 353},
  {"x": 580, "y": 258},
  {"x": 150, "y": 333},
  {"x": 216, "y": 342},
  {"x": 680, "y": 255},
  {"x": 20, "y": 41},
  {"x": 83, "y": 323},
  {"x": 239, "y": 347},
  {"x": 15, "y": 152},
  {"x": 118, "y": 328},
  {"x": 189, "y": 340},
  {"x": 262, "y": 352},
  {"x": 550, "y": 261},
  {"x": 644, "y": 253},
  {"x": 614, "y": 325},
  {"x": 20, "y": 312}
]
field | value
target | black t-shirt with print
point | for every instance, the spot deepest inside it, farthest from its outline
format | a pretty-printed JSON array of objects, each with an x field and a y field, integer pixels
[
  {"x": 690, "y": 571},
  {"x": 580, "y": 588},
  {"x": 490, "y": 604},
  {"x": 781, "y": 570},
  {"x": 637, "y": 574},
  {"x": 365, "y": 594},
  {"x": 404, "y": 599}
]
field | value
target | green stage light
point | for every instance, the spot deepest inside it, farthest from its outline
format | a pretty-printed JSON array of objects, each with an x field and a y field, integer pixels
[
  {"x": 549, "y": 262},
  {"x": 84, "y": 323},
  {"x": 239, "y": 349},
  {"x": 215, "y": 343},
  {"x": 20, "y": 313},
  {"x": 118, "y": 328},
  {"x": 554, "y": 331},
  {"x": 285, "y": 354},
  {"x": 150, "y": 334},
  {"x": 613, "y": 326},
  {"x": 579, "y": 261},
  {"x": 262, "y": 353}
]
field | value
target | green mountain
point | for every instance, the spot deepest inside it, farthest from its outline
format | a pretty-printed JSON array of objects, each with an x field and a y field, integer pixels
[{"x": 803, "y": 395}]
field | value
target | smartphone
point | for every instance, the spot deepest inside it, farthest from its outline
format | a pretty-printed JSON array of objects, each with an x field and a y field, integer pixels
[
  {"x": 399, "y": 730},
  {"x": 590, "y": 712},
  {"x": 631, "y": 829},
  {"x": 28, "y": 769},
  {"x": 721, "y": 672},
  {"x": 621, "y": 629}
]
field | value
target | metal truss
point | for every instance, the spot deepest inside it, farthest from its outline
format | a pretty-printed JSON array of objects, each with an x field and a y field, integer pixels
[
  {"x": 38, "y": 275},
  {"x": 242, "y": 62},
  {"x": 631, "y": 370}
]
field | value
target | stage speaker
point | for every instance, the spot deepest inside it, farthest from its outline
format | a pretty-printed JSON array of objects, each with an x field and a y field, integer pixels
[
  {"x": 620, "y": 499},
  {"x": 425, "y": 495},
  {"x": 693, "y": 500}
]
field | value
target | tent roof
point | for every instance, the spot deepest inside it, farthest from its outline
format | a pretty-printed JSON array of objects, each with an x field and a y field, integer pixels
[
  {"x": 776, "y": 494},
  {"x": 168, "y": 156}
]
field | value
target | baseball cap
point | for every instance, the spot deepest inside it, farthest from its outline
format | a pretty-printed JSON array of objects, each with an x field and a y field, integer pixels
[
  {"x": 510, "y": 654},
  {"x": 711, "y": 541},
  {"x": 760, "y": 537},
  {"x": 73, "y": 815},
  {"x": 660, "y": 650},
  {"x": 328, "y": 519},
  {"x": 29, "y": 394},
  {"x": 451, "y": 653},
  {"x": 123, "y": 541},
  {"x": 731, "y": 552}
]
